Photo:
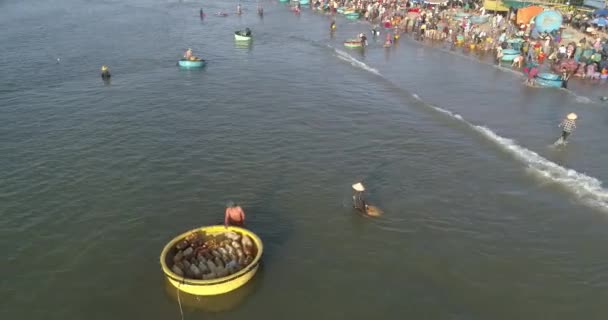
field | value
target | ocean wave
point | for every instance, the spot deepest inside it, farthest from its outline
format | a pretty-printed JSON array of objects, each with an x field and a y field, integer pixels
[
  {"x": 354, "y": 62},
  {"x": 588, "y": 189}
]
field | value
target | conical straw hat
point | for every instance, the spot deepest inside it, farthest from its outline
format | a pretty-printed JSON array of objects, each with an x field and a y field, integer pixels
[
  {"x": 572, "y": 116},
  {"x": 358, "y": 187}
]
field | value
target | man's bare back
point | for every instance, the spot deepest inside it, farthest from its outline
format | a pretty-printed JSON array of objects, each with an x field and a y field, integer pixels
[{"x": 234, "y": 216}]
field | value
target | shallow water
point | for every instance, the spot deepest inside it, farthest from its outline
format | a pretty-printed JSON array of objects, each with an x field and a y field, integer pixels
[{"x": 483, "y": 219}]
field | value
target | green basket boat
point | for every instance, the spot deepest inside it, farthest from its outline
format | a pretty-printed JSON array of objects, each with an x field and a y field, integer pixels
[
  {"x": 198, "y": 63},
  {"x": 353, "y": 44},
  {"x": 283, "y": 0},
  {"x": 352, "y": 16},
  {"x": 239, "y": 36}
]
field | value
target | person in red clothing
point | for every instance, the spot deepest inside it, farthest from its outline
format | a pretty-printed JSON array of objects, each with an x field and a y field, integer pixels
[
  {"x": 532, "y": 72},
  {"x": 541, "y": 57}
]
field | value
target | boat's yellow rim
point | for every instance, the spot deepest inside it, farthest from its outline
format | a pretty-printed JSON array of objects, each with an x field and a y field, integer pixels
[{"x": 212, "y": 230}]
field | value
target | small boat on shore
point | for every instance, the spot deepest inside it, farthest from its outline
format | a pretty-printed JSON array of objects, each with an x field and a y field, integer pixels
[
  {"x": 549, "y": 80},
  {"x": 241, "y": 36},
  {"x": 304, "y": 2},
  {"x": 284, "y": 1},
  {"x": 479, "y": 19},
  {"x": 340, "y": 10},
  {"x": 352, "y": 15},
  {"x": 353, "y": 44},
  {"x": 509, "y": 55},
  {"x": 191, "y": 63},
  {"x": 515, "y": 43}
]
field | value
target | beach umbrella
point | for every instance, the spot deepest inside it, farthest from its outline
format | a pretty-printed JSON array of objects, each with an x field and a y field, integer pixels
[
  {"x": 601, "y": 12},
  {"x": 600, "y": 22},
  {"x": 548, "y": 21}
]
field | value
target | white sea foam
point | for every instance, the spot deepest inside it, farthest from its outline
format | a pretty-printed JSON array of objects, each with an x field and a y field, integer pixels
[
  {"x": 588, "y": 189},
  {"x": 354, "y": 62}
]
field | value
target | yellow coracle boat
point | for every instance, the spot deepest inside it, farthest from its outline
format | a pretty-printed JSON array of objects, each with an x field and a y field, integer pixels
[{"x": 212, "y": 286}]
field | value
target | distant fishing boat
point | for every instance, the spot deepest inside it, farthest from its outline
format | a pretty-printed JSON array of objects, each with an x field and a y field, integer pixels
[
  {"x": 197, "y": 63},
  {"x": 353, "y": 44},
  {"x": 240, "y": 36}
]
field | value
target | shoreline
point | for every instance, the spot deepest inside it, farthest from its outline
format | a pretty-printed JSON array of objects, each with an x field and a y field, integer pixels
[{"x": 453, "y": 30}]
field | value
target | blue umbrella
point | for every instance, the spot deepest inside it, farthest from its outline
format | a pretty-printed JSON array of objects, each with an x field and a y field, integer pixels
[
  {"x": 601, "y": 22},
  {"x": 601, "y": 12}
]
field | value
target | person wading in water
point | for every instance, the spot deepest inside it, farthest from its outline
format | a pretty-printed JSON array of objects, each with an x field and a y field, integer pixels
[
  {"x": 360, "y": 204},
  {"x": 234, "y": 215},
  {"x": 568, "y": 125}
]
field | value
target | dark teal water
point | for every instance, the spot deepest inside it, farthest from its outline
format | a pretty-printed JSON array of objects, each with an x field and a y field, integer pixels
[{"x": 483, "y": 219}]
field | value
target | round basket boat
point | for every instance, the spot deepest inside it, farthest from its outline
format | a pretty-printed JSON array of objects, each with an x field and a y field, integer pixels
[
  {"x": 479, "y": 19},
  {"x": 541, "y": 82},
  {"x": 549, "y": 76},
  {"x": 238, "y": 36},
  {"x": 509, "y": 55},
  {"x": 212, "y": 286},
  {"x": 199, "y": 63},
  {"x": 353, "y": 44},
  {"x": 352, "y": 15}
]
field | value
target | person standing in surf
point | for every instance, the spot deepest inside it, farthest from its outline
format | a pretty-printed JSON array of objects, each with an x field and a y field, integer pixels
[
  {"x": 358, "y": 200},
  {"x": 565, "y": 78},
  {"x": 568, "y": 125},
  {"x": 361, "y": 205}
]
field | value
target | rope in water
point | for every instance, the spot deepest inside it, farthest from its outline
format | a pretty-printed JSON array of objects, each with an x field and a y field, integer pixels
[{"x": 179, "y": 301}]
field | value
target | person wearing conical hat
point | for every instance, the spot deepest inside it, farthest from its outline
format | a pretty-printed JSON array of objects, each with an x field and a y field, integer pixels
[
  {"x": 568, "y": 125},
  {"x": 105, "y": 72},
  {"x": 234, "y": 214},
  {"x": 358, "y": 200}
]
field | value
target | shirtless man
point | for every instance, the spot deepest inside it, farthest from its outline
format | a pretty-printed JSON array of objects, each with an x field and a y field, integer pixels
[{"x": 234, "y": 215}]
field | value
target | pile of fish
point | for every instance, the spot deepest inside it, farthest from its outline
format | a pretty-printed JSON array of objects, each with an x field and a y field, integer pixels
[{"x": 211, "y": 257}]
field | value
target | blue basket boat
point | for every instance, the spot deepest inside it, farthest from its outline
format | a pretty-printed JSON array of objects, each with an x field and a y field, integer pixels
[
  {"x": 549, "y": 80},
  {"x": 509, "y": 55},
  {"x": 479, "y": 19},
  {"x": 191, "y": 63},
  {"x": 352, "y": 16},
  {"x": 303, "y": 2}
]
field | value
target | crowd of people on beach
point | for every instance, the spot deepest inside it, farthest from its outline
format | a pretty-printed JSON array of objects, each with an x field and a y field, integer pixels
[{"x": 474, "y": 28}]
